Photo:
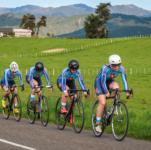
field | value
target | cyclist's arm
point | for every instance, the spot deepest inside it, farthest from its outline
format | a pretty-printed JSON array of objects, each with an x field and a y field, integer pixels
[
  {"x": 46, "y": 77},
  {"x": 103, "y": 80},
  {"x": 6, "y": 77},
  {"x": 63, "y": 82},
  {"x": 103, "y": 83},
  {"x": 124, "y": 80},
  {"x": 20, "y": 78},
  {"x": 81, "y": 82},
  {"x": 31, "y": 78}
]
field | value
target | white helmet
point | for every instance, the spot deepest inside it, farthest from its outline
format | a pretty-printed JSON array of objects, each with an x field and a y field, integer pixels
[
  {"x": 114, "y": 59},
  {"x": 14, "y": 66}
]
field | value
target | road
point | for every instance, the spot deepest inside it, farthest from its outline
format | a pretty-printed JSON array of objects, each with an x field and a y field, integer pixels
[{"x": 22, "y": 135}]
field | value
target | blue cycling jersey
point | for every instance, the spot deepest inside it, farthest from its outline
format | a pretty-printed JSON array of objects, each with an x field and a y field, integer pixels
[
  {"x": 9, "y": 76},
  {"x": 108, "y": 74},
  {"x": 68, "y": 75},
  {"x": 32, "y": 73}
]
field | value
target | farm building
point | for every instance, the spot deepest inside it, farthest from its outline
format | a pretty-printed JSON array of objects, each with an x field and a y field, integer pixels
[{"x": 15, "y": 32}]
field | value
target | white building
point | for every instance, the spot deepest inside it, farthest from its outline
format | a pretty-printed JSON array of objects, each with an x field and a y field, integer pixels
[{"x": 15, "y": 32}]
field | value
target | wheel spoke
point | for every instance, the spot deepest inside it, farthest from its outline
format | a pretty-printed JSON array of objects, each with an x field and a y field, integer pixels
[
  {"x": 78, "y": 116},
  {"x": 120, "y": 121},
  {"x": 44, "y": 111}
]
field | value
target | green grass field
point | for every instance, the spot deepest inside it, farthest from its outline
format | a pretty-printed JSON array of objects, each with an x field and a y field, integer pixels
[{"x": 92, "y": 54}]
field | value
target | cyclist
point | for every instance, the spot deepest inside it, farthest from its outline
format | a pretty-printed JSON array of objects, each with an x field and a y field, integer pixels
[
  {"x": 105, "y": 81},
  {"x": 8, "y": 80},
  {"x": 66, "y": 81},
  {"x": 33, "y": 77}
]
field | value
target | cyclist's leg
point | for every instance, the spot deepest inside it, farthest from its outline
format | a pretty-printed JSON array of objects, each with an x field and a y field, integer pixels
[
  {"x": 32, "y": 96},
  {"x": 39, "y": 84},
  {"x": 101, "y": 104},
  {"x": 63, "y": 97},
  {"x": 5, "y": 94},
  {"x": 114, "y": 85},
  {"x": 72, "y": 86},
  {"x": 14, "y": 91}
]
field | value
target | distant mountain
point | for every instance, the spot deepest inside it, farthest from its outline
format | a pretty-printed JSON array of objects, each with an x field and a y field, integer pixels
[
  {"x": 72, "y": 10},
  {"x": 129, "y": 10},
  {"x": 9, "y": 20},
  {"x": 120, "y": 26},
  {"x": 72, "y": 26}
]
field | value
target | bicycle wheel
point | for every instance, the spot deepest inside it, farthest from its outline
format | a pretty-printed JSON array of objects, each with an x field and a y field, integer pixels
[
  {"x": 93, "y": 120},
  {"x": 31, "y": 112},
  {"x": 17, "y": 108},
  {"x": 44, "y": 111},
  {"x": 60, "y": 117},
  {"x": 120, "y": 121},
  {"x": 6, "y": 110},
  {"x": 78, "y": 116}
]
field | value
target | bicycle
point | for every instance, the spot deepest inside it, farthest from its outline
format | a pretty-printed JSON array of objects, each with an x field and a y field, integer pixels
[
  {"x": 75, "y": 114},
  {"x": 13, "y": 103},
  {"x": 39, "y": 109},
  {"x": 115, "y": 115}
]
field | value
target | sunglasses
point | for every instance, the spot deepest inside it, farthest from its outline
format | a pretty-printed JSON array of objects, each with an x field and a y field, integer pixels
[{"x": 115, "y": 65}]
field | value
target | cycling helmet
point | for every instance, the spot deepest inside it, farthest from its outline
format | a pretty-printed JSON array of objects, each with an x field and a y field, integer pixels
[
  {"x": 73, "y": 64},
  {"x": 114, "y": 59},
  {"x": 14, "y": 66},
  {"x": 39, "y": 66}
]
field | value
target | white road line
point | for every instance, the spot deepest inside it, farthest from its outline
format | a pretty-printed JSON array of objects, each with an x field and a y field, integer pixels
[{"x": 17, "y": 145}]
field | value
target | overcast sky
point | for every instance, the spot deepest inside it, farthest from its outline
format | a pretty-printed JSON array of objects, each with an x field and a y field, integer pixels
[{"x": 55, "y": 3}]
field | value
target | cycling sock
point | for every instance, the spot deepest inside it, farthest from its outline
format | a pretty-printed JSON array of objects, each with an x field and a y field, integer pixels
[
  {"x": 32, "y": 98},
  {"x": 98, "y": 120},
  {"x": 63, "y": 104}
]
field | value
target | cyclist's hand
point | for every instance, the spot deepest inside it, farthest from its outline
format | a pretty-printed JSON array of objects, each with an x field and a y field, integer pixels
[
  {"x": 107, "y": 94},
  {"x": 22, "y": 87},
  {"x": 50, "y": 87},
  {"x": 128, "y": 95},
  {"x": 85, "y": 94}
]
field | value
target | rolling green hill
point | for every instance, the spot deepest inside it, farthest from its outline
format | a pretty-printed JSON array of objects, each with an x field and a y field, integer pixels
[{"x": 92, "y": 54}]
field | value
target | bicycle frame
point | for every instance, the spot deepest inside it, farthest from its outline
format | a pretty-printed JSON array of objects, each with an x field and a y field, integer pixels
[
  {"x": 115, "y": 99},
  {"x": 73, "y": 100},
  {"x": 11, "y": 98}
]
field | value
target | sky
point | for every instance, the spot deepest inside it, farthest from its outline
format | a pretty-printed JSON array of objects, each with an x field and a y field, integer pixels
[{"x": 146, "y": 4}]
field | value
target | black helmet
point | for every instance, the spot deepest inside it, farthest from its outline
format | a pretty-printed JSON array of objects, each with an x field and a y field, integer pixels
[
  {"x": 73, "y": 64},
  {"x": 39, "y": 66}
]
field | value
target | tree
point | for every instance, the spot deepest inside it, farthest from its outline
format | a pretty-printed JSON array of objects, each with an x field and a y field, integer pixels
[
  {"x": 95, "y": 24},
  {"x": 41, "y": 23},
  {"x": 28, "y": 22}
]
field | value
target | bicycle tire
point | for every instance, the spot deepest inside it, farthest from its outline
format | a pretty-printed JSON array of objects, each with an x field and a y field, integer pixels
[
  {"x": 60, "y": 117},
  {"x": 118, "y": 121},
  {"x": 93, "y": 120},
  {"x": 31, "y": 112},
  {"x": 44, "y": 113},
  {"x": 19, "y": 107},
  {"x": 78, "y": 116},
  {"x": 6, "y": 110}
]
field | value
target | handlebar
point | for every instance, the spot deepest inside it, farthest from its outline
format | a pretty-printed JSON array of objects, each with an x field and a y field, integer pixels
[
  {"x": 130, "y": 91},
  {"x": 14, "y": 86},
  {"x": 43, "y": 86},
  {"x": 75, "y": 90}
]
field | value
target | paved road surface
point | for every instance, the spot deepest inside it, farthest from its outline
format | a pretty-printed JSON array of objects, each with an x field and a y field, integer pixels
[{"x": 22, "y": 135}]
